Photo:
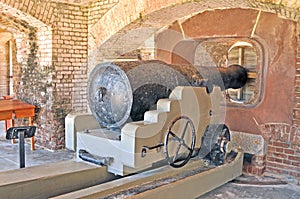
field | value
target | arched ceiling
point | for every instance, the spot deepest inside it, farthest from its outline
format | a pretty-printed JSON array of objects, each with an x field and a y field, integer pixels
[
  {"x": 15, "y": 20},
  {"x": 286, "y": 3},
  {"x": 137, "y": 33}
]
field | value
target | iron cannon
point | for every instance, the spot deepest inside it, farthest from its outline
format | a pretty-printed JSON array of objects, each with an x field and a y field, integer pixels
[
  {"x": 123, "y": 91},
  {"x": 151, "y": 112}
]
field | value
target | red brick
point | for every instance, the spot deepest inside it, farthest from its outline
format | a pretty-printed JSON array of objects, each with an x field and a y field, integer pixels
[
  {"x": 297, "y": 84},
  {"x": 271, "y": 148},
  {"x": 249, "y": 169},
  {"x": 296, "y": 111},
  {"x": 296, "y": 121},
  {"x": 254, "y": 171},
  {"x": 245, "y": 168},
  {"x": 286, "y": 162},
  {"x": 261, "y": 171},
  {"x": 271, "y": 164},
  {"x": 295, "y": 158},
  {"x": 279, "y": 149},
  {"x": 280, "y": 155},
  {"x": 289, "y": 151},
  {"x": 278, "y": 160},
  {"x": 280, "y": 144},
  {"x": 296, "y": 101},
  {"x": 297, "y": 164},
  {"x": 271, "y": 159}
]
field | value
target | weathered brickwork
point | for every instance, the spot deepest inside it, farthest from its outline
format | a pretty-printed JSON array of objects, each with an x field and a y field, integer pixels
[
  {"x": 124, "y": 14},
  {"x": 257, "y": 166},
  {"x": 55, "y": 43},
  {"x": 97, "y": 9},
  {"x": 50, "y": 62},
  {"x": 283, "y": 154}
]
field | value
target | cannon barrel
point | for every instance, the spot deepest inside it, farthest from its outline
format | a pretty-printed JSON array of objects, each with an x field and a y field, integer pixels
[{"x": 123, "y": 91}]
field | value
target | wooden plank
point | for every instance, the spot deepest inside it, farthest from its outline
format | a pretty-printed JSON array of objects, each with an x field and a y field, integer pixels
[
  {"x": 14, "y": 105},
  {"x": 24, "y": 113},
  {"x": 5, "y": 115}
]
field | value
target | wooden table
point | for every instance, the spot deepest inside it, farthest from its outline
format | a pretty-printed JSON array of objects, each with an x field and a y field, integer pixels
[{"x": 12, "y": 108}]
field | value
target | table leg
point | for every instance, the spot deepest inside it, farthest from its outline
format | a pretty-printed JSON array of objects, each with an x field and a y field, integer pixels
[
  {"x": 13, "y": 141},
  {"x": 32, "y": 138}
]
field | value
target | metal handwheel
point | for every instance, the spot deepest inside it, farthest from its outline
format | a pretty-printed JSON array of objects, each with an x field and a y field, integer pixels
[{"x": 180, "y": 143}]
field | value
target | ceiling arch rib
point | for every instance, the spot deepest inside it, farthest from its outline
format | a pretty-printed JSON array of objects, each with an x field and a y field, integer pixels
[{"x": 15, "y": 14}]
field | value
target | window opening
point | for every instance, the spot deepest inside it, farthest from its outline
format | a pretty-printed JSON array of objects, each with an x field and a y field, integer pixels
[
  {"x": 223, "y": 52},
  {"x": 243, "y": 53}
]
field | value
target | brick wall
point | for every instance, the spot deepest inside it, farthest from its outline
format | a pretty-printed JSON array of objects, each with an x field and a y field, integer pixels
[
  {"x": 58, "y": 41},
  {"x": 50, "y": 63},
  {"x": 283, "y": 155}
]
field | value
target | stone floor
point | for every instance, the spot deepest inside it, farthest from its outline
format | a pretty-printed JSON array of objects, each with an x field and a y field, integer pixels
[
  {"x": 244, "y": 187},
  {"x": 9, "y": 154},
  {"x": 251, "y": 187}
]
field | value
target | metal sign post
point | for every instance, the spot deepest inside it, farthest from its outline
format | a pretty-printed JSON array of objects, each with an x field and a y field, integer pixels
[{"x": 21, "y": 133}]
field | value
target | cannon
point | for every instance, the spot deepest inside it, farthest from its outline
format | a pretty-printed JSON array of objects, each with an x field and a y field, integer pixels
[
  {"x": 123, "y": 91},
  {"x": 153, "y": 113}
]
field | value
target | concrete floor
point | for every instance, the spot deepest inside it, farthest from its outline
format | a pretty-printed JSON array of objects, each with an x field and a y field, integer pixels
[
  {"x": 9, "y": 154},
  {"x": 251, "y": 187},
  {"x": 269, "y": 186}
]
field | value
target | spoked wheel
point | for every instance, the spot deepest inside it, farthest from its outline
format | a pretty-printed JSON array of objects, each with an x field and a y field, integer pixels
[{"x": 180, "y": 141}]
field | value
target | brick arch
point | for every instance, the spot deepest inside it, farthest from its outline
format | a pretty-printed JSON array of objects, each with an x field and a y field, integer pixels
[
  {"x": 58, "y": 29},
  {"x": 31, "y": 11},
  {"x": 264, "y": 27},
  {"x": 126, "y": 12},
  {"x": 25, "y": 20},
  {"x": 207, "y": 24},
  {"x": 122, "y": 14},
  {"x": 118, "y": 21},
  {"x": 187, "y": 21}
]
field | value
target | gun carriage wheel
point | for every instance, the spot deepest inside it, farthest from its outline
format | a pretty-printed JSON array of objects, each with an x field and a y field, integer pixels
[
  {"x": 180, "y": 141},
  {"x": 222, "y": 147}
]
